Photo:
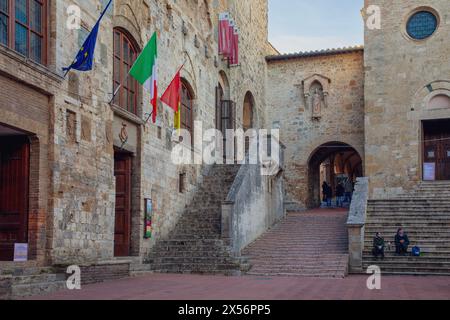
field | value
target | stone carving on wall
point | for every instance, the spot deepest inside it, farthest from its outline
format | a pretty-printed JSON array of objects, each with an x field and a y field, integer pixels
[{"x": 316, "y": 89}]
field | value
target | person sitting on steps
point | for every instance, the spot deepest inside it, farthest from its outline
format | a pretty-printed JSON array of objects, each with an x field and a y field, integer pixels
[
  {"x": 378, "y": 246},
  {"x": 401, "y": 242}
]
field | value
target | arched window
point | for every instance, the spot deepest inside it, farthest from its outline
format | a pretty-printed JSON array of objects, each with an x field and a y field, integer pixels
[
  {"x": 23, "y": 25},
  {"x": 125, "y": 53},
  {"x": 248, "y": 119},
  {"x": 187, "y": 118}
]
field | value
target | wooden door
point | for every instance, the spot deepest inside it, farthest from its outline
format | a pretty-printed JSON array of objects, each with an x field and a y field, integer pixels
[
  {"x": 444, "y": 159},
  {"x": 14, "y": 177},
  {"x": 122, "y": 230},
  {"x": 437, "y": 148}
]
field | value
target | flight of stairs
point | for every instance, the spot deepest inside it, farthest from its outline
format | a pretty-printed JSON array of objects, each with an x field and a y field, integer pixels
[
  {"x": 195, "y": 245},
  {"x": 309, "y": 244},
  {"x": 425, "y": 215}
]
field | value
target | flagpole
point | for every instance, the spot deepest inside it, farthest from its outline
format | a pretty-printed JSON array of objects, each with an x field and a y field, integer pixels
[{"x": 98, "y": 21}]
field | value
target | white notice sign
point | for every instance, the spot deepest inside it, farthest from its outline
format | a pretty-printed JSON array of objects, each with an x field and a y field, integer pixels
[
  {"x": 20, "y": 252},
  {"x": 429, "y": 171}
]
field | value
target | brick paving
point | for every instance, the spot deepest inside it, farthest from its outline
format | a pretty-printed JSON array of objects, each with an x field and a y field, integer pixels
[
  {"x": 193, "y": 287},
  {"x": 254, "y": 287}
]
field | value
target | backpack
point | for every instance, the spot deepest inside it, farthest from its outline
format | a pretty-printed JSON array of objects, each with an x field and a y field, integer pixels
[{"x": 416, "y": 252}]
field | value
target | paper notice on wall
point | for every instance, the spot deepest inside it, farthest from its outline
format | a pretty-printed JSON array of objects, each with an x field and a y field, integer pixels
[
  {"x": 20, "y": 252},
  {"x": 429, "y": 171}
]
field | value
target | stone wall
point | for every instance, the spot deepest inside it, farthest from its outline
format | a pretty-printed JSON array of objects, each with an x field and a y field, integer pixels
[
  {"x": 77, "y": 180},
  {"x": 398, "y": 71},
  {"x": 289, "y": 108},
  {"x": 254, "y": 204}
]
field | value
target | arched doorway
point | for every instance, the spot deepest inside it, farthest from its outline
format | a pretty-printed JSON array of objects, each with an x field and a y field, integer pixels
[{"x": 333, "y": 162}]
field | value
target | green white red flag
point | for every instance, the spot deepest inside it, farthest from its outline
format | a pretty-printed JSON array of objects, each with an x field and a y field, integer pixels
[{"x": 145, "y": 71}]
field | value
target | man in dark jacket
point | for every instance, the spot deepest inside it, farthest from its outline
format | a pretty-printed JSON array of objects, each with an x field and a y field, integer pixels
[
  {"x": 329, "y": 196},
  {"x": 378, "y": 246},
  {"x": 401, "y": 242},
  {"x": 324, "y": 191}
]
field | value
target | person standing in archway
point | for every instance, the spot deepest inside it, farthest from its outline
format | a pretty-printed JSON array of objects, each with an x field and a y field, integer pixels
[
  {"x": 348, "y": 191},
  {"x": 340, "y": 192},
  {"x": 325, "y": 191}
]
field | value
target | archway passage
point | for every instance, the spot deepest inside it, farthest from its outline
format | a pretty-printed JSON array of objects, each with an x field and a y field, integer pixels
[{"x": 334, "y": 163}]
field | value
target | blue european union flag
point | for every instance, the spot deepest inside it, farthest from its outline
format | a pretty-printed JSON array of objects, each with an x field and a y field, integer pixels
[{"x": 85, "y": 57}]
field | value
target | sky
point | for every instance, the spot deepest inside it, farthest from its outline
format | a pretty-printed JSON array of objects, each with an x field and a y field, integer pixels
[{"x": 305, "y": 25}]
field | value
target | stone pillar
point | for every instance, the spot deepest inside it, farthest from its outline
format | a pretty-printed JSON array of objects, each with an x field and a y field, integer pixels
[
  {"x": 356, "y": 224},
  {"x": 355, "y": 247}
]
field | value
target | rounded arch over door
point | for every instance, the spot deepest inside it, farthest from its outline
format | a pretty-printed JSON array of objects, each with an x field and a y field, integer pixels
[{"x": 331, "y": 162}]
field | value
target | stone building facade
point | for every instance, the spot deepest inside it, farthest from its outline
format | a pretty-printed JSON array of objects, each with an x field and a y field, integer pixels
[
  {"x": 75, "y": 136},
  {"x": 79, "y": 158},
  {"x": 406, "y": 85},
  {"x": 312, "y": 133}
]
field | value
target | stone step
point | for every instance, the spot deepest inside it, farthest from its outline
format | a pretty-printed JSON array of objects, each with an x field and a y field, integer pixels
[
  {"x": 193, "y": 267},
  {"x": 391, "y": 258},
  {"x": 409, "y": 215},
  {"x": 195, "y": 246},
  {"x": 292, "y": 247},
  {"x": 408, "y": 224},
  {"x": 324, "y": 274},
  {"x": 190, "y": 253},
  {"x": 192, "y": 260},
  {"x": 425, "y": 254},
  {"x": 392, "y": 230},
  {"x": 409, "y": 211},
  {"x": 413, "y": 270}
]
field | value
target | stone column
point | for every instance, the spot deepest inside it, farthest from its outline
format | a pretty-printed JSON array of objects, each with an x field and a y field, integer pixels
[{"x": 355, "y": 247}]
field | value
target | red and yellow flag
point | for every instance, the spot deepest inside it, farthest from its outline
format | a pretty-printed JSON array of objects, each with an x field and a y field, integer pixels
[{"x": 172, "y": 98}]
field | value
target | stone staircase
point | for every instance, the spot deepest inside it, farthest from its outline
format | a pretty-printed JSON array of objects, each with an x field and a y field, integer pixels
[
  {"x": 195, "y": 245},
  {"x": 424, "y": 213},
  {"x": 309, "y": 244}
]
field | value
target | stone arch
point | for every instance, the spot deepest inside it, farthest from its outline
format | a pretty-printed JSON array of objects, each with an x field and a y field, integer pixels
[
  {"x": 317, "y": 78},
  {"x": 188, "y": 74},
  {"x": 225, "y": 85},
  {"x": 126, "y": 19},
  {"x": 439, "y": 101},
  {"x": 331, "y": 162},
  {"x": 426, "y": 93}
]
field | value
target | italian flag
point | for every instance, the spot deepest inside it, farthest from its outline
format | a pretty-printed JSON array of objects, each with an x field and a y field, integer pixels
[{"x": 145, "y": 72}]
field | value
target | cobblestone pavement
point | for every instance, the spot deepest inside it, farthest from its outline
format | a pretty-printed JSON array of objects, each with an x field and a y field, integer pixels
[{"x": 193, "y": 287}]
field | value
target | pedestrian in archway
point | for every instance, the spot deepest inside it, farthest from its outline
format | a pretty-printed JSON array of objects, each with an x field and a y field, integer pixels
[
  {"x": 325, "y": 191},
  {"x": 340, "y": 192},
  {"x": 329, "y": 193},
  {"x": 348, "y": 190}
]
